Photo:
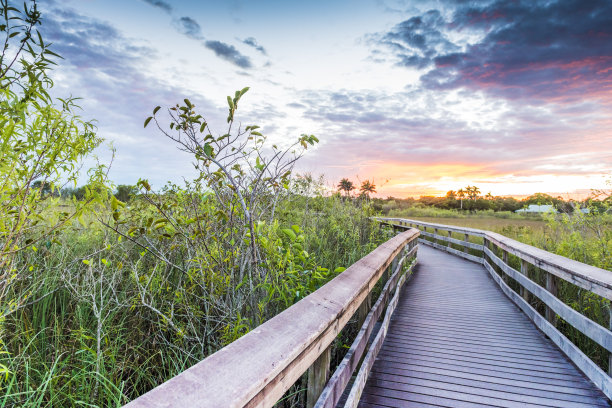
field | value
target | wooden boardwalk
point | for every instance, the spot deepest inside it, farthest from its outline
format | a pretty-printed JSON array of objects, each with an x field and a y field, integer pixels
[{"x": 455, "y": 340}]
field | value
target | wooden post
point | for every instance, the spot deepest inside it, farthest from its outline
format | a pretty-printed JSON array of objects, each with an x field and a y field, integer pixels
[
  {"x": 436, "y": 233},
  {"x": 318, "y": 374},
  {"x": 610, "y": 327},
  {"x": 389, "y": 271},
  {"x": 364, "y": 309},
  {"x": 505, "y": 259},
  {"x": 395, "y": 262},
  {"x": 552, "y": 283},
  {"x": 525, "y": 272},
  {"x": 450, "y": 235},
  {"x": 466, "y": 249},
  {"x": 386, "y": 274}
]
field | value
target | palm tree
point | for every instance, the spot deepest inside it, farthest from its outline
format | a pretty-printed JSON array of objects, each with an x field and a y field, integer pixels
[
  {"x": 461, "y": 194},
  {"x": 367, "y": 188},
  {"x": 475, "y": 192},
  {"x": 472, "y": 192},
  {"x": 346, "y": 185}
]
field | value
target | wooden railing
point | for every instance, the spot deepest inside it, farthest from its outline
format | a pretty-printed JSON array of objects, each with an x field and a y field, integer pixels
[
  {"x": 493, "y": 251},
  {"x": 258, "y": 368}
]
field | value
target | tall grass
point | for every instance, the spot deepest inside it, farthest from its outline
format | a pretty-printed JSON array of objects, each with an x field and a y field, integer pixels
[{"x": 86, "y": 339}]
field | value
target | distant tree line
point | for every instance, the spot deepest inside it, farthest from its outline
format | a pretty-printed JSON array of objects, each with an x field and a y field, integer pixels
[
  {"x": 470, "y": 198},
  {"x": 123, "y": 192}
]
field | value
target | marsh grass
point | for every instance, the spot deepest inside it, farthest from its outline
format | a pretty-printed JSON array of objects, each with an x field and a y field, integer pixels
[{"x": 87, "y": 340}]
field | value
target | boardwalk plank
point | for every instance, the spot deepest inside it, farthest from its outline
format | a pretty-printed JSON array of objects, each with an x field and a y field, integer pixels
[
  {"x": 486, "y": 385},
  {"x": 456, "y": 341}
]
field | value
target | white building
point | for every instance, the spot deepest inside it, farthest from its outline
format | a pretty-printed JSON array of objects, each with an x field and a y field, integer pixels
[{"x": 534, "y": 208}]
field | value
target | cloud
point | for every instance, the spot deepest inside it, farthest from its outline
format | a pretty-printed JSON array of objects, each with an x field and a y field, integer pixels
[
  {"x": 110, "y": 73},
  {"x": 542, "y": 50},
  {"x": 192, "y": 29},
  {"x": 253, "y": 43},
  {"x": 229, "y": 53},
  {"x": 189, "y": 27},
  {"x": 160, "y": 4},
  {"x": 418, "y": 40}
]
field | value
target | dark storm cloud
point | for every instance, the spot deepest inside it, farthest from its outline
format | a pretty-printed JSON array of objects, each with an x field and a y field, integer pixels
[
  {"x": 253, "y": 43},
  {"x": 418, "y": 40},
  {"x": 229, "y": 53},
  {"x": 189, "y": 27},
  {"x": 542, "y": 50},
  {"x": 160, "y": 5}
]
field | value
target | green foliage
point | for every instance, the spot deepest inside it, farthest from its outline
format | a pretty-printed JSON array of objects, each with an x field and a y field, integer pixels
[
  {"x": 150, "y": 302},
  {"x": 127, "y": 296},
  {"x": 41, "y": 146}
]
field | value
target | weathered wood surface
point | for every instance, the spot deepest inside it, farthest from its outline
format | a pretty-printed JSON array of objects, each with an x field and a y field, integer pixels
[
  {"x": 594, "y": 331},
  {"x": 364, "y": 371},
  {"x": 456, "y": 341},
  {"x": 586, "y": 365},
  {"x": 453, "y": 251},
  {"x": 334, "y": 389},
  {"x": 258, "y": 368}
]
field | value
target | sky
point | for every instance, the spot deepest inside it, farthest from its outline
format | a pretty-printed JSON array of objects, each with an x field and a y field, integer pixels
[{"x": 420, "y": 97}]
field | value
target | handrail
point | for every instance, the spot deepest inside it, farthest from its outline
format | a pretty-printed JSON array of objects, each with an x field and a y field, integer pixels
[
  {"x": 595, "y": 280},
  {"x": 259, "y": 367}
]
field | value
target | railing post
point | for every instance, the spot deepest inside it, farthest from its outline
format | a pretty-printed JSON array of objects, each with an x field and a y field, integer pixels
[
  {"x": 505, "y": 259},
  {"x": 450, "y": 235},
  {"x": 525, "y": 271},
  {"x": 364, "y": 309},
  {"x": 389, "y": 271},
  {"x": 610, "y": 327},
  {"x": 552, "y": 283},
  {"x": 318, "y": 374},
  {"x": 466, "y": 248}
]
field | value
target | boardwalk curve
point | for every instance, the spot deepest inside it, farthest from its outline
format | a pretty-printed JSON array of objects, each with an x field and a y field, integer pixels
[{"x": 455, "y": 340}]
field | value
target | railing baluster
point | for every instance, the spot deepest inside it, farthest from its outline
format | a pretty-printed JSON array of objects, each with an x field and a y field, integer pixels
[
  {"x": 525, "y": 271},
  {"x": 505, "y": 259},
  {"x": 552, "y": 284},
  {"x": 364, "y": 309},
  {"x": 610, "y": 327},
  {"x": 318, "y": 374}
]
